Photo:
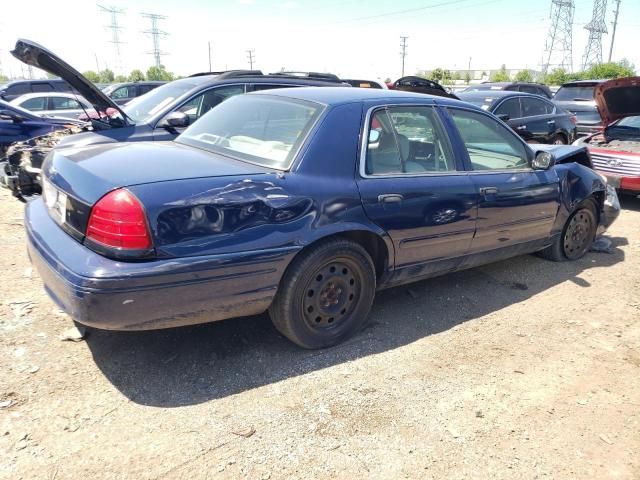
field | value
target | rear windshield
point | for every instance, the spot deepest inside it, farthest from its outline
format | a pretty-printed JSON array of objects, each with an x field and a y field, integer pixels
[
  {"x": 260, "y": 129},
  {"x": 479, "y": 88},
  {"x": 575, "y": 93},
  {"x": 142, "y": 109}
]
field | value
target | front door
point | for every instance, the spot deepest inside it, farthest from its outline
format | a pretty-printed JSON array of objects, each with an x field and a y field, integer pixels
[
  {"x": 413, "y": 187},
  {"x": 518, "y": 205}
]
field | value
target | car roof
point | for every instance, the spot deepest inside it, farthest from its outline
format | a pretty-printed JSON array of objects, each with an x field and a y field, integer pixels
[
  {"x": 35, "y": 80},
  {"x": 586, "y": 83},
  {"x": 343, "y": 95},
  {"x": 496, "y": 94},
  {"x": 50, "y": 94}
]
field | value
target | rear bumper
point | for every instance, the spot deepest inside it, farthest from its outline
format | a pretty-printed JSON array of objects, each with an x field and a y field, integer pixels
[
  {"x": 587, "y": 129},
  {"x": 108, "y": 294}
]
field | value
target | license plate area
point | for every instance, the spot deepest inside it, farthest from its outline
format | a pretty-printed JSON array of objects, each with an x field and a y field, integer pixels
[{"x": 55, "y": 200}]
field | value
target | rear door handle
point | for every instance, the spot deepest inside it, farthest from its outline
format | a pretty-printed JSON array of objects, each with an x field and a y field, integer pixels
[
  {"x": 521, "y": 127},
  {"x": 551, "y": 122},
  {"x": 390, "y": 198},
  {"x": 488, "y": 190}
]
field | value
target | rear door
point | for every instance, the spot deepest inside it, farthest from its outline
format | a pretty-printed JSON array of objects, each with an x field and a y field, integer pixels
[
  {"x": 412, "y": 185},
  {"x": 511, "y": 109},
  {"x": 539, "y": 120},
  {"x": 517, "y": 204}
]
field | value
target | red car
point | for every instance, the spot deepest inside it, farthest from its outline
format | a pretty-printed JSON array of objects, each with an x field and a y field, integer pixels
[{"x": 615, "y": 151}]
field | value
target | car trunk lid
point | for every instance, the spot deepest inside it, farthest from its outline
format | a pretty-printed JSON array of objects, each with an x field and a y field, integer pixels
[
  {"x": 88, "y": 173},
  {"x": 74, "y": 179}
]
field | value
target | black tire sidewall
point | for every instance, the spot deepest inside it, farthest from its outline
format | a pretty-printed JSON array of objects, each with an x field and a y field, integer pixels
[
  {"x": 587, "y": 206},
  {"x": 286, "y": 311}
]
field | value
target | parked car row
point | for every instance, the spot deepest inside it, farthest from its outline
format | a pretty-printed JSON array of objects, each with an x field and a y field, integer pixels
[
  {"x": 301, "y": 202},
  {"x": 167, "y": 109}
]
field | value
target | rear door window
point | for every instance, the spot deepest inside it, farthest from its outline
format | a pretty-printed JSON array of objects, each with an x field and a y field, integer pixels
[
  {"x": 532, "y": 107},
  {"x": 61, "y": 103},
  {"x": 510, "y": 107},
  {"x": 269, "y": 86},
  {"x": 407, "y": 140},
  {"x": 36, "y": 104}
]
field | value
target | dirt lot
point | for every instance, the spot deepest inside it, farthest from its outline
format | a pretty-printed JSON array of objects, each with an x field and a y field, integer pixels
[{"x": 521, "y": 369}]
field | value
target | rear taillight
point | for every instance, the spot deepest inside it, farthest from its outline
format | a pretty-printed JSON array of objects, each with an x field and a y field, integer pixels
[
  {"x": 573, "y": 119},
  {"x": 118, "y": 221}
]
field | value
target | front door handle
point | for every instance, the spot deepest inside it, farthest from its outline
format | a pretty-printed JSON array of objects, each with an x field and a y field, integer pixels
[
  {"x": 390, "y": 198},
  {"x": 488, "y": 190},
  {"x": 521, "y": 127}
]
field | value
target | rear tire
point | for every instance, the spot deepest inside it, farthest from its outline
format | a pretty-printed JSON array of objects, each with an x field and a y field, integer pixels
[
  {"x": 578, "y": 234},
  {"x": 559, "y": 139},
  {"x": 325, "y": 295}
]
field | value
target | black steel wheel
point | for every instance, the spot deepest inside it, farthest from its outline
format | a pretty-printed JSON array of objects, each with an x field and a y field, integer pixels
[
  {"x": 325, "y": 295},
  {"x": 579, "y": 234}
]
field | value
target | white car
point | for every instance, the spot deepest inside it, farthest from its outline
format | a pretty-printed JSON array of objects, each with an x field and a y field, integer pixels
[{"x": 51, "y": 104}]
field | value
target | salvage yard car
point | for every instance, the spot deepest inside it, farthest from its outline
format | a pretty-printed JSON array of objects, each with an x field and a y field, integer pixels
[
  {"x": 577, "y": 97},
  {"x": 534, "y": 118},
  {"x": 160, "y": 114},
  {"x": 302, "y": 202},
  {"x": 53, "y": 104},
  {"x": 19, "y": 125},
  {"x": 616, "y": 150}
]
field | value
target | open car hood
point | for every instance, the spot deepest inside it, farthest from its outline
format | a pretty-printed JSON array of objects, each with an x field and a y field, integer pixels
[
  {"x": 618, "y": 98},
  {"x": 37, "y": 56}
]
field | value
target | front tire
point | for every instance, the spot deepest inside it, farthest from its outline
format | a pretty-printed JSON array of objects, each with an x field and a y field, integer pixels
[
  {"x": 577, "y": 236},
  {"x": 325, "y": 295}
]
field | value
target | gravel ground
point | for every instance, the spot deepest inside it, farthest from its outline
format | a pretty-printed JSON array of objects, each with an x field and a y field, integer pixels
[{"x": 520, "y": 369}]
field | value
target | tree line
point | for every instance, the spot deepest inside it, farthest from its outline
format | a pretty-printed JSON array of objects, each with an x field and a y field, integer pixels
[
  {"x": 558, "y": 76},
  {"x": 136, "y": 75}
]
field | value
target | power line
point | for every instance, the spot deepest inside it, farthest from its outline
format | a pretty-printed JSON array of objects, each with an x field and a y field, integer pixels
[
  {"x": 403, "y": 53},
  {"x": 596, "y": 27},
  {"x": 115, "y": 32},
  {"x": 251, "y": 55},
  {"x": 559, "y": 43},
  {"x": 155, "y": 33},
  {"x": 615, "y": 25}
]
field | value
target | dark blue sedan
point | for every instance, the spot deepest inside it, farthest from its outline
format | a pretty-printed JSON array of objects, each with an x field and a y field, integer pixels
[
  {"x": 302, "y": 202},
  {"x": 18, "y": 125}
]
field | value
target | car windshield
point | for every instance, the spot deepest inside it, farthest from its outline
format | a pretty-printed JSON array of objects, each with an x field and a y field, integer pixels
[
  {"x": 627, "y": 127},
  {"x": 572, "y": 93},
  {"x": 260, "y": 129},
  {"x": 143, "y": 108}
]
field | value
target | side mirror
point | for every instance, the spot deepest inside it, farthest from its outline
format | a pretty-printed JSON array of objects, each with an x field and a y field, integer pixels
[
  {"x": 504, "y": 117},
  {"x": 374, "y": 136},
  {"x": 174, "y": 120},
  {"x": 543, "y": 161},
  {"x": 9, "y": 115}
]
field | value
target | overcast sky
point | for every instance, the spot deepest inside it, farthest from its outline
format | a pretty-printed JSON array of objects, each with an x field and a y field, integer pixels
[{"x": 346, "y": 37}]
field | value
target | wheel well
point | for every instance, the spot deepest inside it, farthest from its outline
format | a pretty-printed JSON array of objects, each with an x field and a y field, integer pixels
[{"x": 373, "y": 244}]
